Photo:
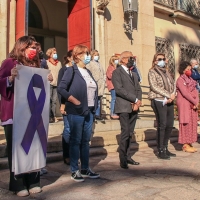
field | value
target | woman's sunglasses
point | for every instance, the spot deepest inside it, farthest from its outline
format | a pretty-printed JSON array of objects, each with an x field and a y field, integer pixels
[{"x": 160, "y": 59}]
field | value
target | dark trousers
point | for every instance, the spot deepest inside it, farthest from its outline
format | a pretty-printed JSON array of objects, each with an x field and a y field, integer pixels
[
  {"x": 127, "y": 122},
  {"x": 53, "y": 100},
  {"x": 165, "y": 121},
  {"x": 22, "y": 181}
]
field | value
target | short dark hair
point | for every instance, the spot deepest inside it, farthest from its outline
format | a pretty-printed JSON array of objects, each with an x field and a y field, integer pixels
[{"x": 183, "y": 66}]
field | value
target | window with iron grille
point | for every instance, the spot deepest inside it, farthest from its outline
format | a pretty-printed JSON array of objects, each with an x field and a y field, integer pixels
[
  {"x": 188, "y": 51},
  {"x": 165, "y": 46}
]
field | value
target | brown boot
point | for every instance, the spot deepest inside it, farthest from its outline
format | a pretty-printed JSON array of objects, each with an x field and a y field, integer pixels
[{"x": 187, "y": 148}]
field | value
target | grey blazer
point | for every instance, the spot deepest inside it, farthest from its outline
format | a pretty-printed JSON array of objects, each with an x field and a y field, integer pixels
[{"x": 127, "y": 90}]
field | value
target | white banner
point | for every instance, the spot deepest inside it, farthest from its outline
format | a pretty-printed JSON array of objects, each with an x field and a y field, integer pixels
[{"x": 30, "y": 120}]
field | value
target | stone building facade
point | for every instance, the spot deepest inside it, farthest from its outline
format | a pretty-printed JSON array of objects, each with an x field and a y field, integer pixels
[{"x": 169, "y": 26}]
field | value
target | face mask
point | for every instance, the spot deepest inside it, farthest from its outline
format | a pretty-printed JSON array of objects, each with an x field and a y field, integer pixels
[
  {"x": 31, "y": 53},
  {"x": 41, "y": 55},
  {"x": 130, "y": 63},
  {"x": 87, "y": 59},
  {"x": 161, "y": 63},
  {"x": 188, "y": 73},
  {"x": 72, "y": 62},
  {"x": 196, "y": 66},
  {"x": 96, "y": 58},
  {"x": 55, "y": 56},
  {"x": 116, "y": 62}
]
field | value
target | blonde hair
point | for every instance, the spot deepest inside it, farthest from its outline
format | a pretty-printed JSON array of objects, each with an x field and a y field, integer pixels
[
  {"x": 112, "y": 60},
  {"x": 49, "y": 51},
  {"x": 79, "y": 49},
  {"x": 93, "y": 52}
]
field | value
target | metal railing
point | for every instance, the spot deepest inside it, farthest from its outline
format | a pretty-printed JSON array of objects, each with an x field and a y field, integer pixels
[{"x": 191, "y": 7}]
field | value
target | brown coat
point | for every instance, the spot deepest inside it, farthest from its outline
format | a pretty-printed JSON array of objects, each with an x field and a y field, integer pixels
[{"x": 157, "y": 90}]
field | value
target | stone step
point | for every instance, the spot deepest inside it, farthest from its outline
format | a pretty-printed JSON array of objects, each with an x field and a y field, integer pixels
[
  {"x": 108, "y": 125},
  {"x": 99, "y": 139},
  {"x": 94, "y": 151}
]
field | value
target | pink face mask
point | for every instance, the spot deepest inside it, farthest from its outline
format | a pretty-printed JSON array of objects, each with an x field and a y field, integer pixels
[{"x": 31, "y": 53}]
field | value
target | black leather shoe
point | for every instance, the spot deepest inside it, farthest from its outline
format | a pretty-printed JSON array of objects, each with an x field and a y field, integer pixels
[
  {"x": 124, "y": 165},
  {"x": 132, "y": 162},
  {"x": 169, "y": 153},
  {"x": 162, "y": 154}
]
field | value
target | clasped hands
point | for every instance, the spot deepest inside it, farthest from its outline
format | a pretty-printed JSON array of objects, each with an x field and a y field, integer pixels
[{"x": 136, "y": 105}]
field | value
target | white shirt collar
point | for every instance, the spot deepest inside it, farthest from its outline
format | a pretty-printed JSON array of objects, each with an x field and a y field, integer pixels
[{"x": 126, "y": 69}]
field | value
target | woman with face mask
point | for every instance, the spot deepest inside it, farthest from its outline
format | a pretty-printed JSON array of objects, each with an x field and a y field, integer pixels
[
  {"x": 24, "y": 53},
  {"x": 187, "y": 103},
  {"x": 99, "y": 76},
  {"x": 114, "y": 61},
  {"x": 54, "y": 65},
  {"x": 162, "y": 94},
  {"x": 79, "y": 89}
]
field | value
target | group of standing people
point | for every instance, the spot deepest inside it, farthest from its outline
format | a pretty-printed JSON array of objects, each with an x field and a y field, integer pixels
[
  {"x": 80, "y": 85},
  {"x": 163, "y": 91}
]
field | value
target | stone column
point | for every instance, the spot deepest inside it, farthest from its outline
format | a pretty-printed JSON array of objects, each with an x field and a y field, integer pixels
[
  {"x": 3, "y": 29},
  {"x": 12, "y": 24},
  {"x": 147, "y": 38}
]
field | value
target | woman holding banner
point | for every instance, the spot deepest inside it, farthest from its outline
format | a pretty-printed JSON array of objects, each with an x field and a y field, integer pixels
[{"x": 23, "y": 53}]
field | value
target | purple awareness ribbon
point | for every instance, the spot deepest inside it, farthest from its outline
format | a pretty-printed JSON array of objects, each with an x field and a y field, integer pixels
[{"x": 35, "y": 123}]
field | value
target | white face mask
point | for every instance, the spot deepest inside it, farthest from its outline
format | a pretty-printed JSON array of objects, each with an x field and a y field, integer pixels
[
  {"x": 116, "y": 62},
  {"x": 96, "y": 58},
  {"x": 161, "y": 63},
  {"x": 196, "y": 66}
]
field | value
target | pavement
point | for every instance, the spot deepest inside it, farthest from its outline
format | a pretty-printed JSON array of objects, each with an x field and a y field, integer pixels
[{"x": 154, "y": 179}]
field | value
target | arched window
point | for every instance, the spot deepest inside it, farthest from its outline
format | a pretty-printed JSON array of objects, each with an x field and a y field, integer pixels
[{"x": 35, "y": 18}]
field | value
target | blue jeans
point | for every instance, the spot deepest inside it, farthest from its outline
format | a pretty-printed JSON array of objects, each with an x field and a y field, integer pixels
[
  {"x": 66, "y": 130},
  {"x": 98, "y": 110},
  {"x": 80, "y": 134},
  {"x": 112, "y": 103}
]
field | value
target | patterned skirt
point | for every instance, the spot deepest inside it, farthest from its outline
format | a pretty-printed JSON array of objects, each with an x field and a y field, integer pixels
[{"x": 188, "y": 132}]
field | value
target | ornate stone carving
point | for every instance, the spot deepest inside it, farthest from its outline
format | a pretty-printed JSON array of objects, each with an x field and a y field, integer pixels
[{"x": 101, "y": 5}]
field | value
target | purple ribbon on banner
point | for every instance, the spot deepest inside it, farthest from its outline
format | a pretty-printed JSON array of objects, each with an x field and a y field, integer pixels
[{"x": 36, "y": 122}]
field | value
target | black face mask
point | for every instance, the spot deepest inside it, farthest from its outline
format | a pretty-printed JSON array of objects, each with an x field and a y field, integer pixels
[
  {"x": 41, "y": 55},
  {"x": 130, "y": 62}
]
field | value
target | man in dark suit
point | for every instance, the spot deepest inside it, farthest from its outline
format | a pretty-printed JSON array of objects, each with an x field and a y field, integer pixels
[{"x": 128, "y": 101}]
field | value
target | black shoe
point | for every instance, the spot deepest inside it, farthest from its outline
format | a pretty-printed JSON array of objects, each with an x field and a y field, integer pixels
[
  {"x": 76, "y": 176},
  {"x": 162, "y": 154},
  {"x": 132, "y": 162},
  {"x": 89, "y": 173},
  {"x": 124, "y": 165},
  {"x": 51, "y": 120},
  {"x": 66, "y": 161},
  {"x": 169, "y": 153}
]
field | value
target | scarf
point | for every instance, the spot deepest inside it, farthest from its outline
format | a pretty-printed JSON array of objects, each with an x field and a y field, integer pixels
[
  {"x": 191, "y": 84},
  {"x": 165, "y": 77}
]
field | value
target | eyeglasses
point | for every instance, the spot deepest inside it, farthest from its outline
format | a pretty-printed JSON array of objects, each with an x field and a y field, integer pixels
[{"x": 160, "y": 59}]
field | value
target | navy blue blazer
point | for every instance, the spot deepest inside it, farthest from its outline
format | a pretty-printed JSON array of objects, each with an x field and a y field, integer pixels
[{"x": 78, "y": 90}]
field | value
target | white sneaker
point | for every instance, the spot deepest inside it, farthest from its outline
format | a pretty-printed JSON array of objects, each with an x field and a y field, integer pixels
[{"x": 23, "y": 193}]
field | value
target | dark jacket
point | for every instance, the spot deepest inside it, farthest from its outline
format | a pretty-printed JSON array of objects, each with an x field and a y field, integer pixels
[
  {"x": 60, "y": 75},
  {"x": 127, "y": 90},
  {"x": 195, "y": 75},
  {"x": 78, "y": 90}
]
